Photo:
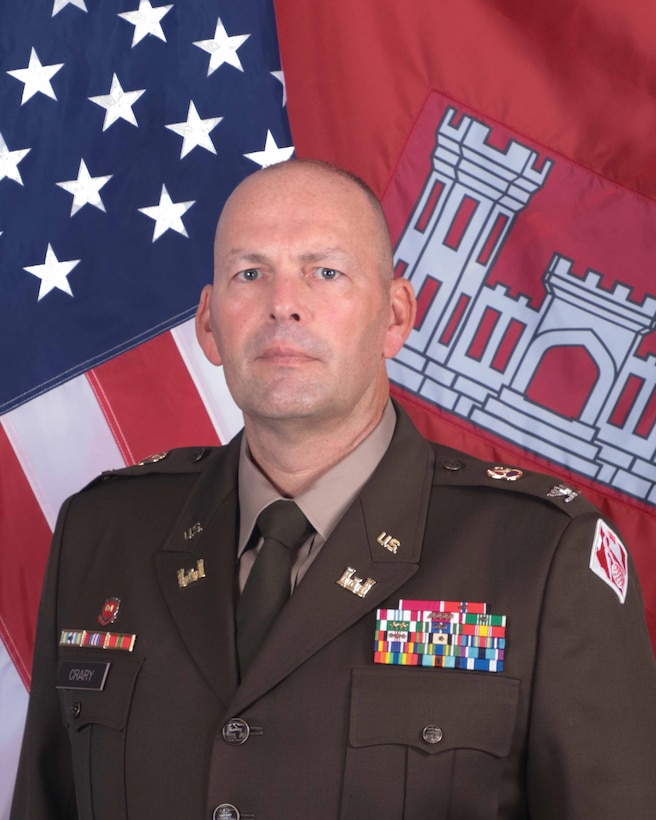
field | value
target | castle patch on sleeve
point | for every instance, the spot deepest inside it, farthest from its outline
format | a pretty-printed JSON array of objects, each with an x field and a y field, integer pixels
[{"x": 609, "y": 561}]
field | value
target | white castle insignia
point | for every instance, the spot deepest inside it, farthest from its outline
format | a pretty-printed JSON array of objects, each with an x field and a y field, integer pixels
[{"x": 459, "y": 224}]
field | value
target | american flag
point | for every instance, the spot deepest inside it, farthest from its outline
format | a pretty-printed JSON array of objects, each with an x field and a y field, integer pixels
[{"x": 124, "y": 124}]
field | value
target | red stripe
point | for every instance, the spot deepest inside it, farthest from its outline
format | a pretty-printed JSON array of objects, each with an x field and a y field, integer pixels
[
  {"x": 25, "y": 538},
  {"x": 150, "y": 401}
]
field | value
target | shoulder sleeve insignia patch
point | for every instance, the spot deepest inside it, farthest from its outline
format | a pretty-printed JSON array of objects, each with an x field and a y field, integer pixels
[{"x": 609, "y": 561}]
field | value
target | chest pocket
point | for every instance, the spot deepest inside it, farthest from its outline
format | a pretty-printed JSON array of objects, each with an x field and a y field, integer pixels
[
  {"x": 97, "y": 722},
  {"x": 427, "y": 744}
]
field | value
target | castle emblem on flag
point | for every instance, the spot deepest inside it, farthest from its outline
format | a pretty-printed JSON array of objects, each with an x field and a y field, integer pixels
[{"x": 493, "y": 357}]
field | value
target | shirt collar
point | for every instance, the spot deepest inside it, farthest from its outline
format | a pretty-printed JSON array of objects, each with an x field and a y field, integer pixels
[{"x": 325, "y": 501}]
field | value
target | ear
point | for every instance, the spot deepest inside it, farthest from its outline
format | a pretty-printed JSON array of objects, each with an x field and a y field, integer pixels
[
  {"x": 204, "y": 332},
  {"x": 403, "y": 308}
]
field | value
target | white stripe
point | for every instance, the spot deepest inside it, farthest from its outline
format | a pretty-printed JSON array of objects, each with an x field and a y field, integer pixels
[
  {"x": 13, "y": 706},
  {"x": 210, "y": 383},
  {"x": 62, "y": 441}
]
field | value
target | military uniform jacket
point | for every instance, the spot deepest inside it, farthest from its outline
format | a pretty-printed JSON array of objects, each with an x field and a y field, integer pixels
[{"x": 316, "y": 729}]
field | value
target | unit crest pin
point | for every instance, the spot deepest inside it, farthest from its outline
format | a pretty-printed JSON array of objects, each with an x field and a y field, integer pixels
[{"x": 109, "y": 612}]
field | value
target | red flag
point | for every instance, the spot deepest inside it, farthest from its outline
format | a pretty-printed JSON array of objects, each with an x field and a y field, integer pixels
[{"x": 510, "y": 144}]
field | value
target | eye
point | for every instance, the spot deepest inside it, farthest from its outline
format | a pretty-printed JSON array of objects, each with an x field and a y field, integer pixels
[
  {"x": 248, "y": 275},
  {"x": 328, "y": 274}
]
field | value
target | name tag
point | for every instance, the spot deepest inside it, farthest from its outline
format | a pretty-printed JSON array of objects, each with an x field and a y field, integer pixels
[{"x": 76, "y": 675}]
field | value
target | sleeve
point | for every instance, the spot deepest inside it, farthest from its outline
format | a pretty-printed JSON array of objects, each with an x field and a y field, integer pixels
[
  {"x": 592, "y": 741},
  {"x": 44, "y": 783}
]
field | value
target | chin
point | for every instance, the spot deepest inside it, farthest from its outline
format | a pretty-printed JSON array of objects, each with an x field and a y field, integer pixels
[{"x": 298, "y": 404}]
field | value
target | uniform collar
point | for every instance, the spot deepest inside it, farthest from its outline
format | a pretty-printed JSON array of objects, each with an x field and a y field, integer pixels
[{"x": 325, "y": 502}]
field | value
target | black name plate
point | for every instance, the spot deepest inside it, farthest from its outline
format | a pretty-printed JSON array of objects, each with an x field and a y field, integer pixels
[{"x": 80, "y": 675}]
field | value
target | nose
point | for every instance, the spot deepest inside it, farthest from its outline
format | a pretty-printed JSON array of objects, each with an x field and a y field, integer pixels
[{"x": 286, "y": 298}]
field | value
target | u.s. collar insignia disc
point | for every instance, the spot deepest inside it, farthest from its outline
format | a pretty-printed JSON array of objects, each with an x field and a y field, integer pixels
[{"x": 109, "y": 611}]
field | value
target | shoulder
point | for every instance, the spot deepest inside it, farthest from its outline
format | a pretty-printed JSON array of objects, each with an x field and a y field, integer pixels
[
  {"x": 179, "y": 461},
  {"x": 456, "y": 469},
  {"x": 155, "y": 487},
  {"x": 184, "y": 463},
  {"x": 453, "y": 468}
]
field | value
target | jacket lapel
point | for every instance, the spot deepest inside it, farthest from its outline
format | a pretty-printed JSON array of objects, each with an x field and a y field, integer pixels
[
  {"x": 394, "y": 502},
  {"x": 203, "y": 607}
]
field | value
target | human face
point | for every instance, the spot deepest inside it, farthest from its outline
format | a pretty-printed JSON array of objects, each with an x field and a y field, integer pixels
[{"x": 301, "y": 315}]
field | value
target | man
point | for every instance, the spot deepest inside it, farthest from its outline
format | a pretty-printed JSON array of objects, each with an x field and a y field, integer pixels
[{"x": 333, "y": 707}]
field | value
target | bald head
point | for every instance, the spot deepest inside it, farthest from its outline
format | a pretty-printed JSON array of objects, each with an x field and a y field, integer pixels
[{"x": 311, "y": 178}]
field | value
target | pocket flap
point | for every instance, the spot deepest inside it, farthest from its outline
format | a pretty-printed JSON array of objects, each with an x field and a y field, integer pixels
[
  {"x": 433, "y": 711},
  {"x": 107, "y": 707}
]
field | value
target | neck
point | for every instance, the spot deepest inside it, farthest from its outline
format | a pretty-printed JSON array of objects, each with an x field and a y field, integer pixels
[{"x": 293, "y": 453}]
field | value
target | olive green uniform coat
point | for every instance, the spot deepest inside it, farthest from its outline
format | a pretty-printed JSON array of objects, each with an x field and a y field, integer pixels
[{"x": 566, "y": 731}]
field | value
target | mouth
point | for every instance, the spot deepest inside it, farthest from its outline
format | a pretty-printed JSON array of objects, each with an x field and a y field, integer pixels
[{"x": 282, "y": 354}]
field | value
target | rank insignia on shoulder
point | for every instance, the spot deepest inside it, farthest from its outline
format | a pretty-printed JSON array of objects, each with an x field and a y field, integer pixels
[
  {"x": 562, "y": 491},
  {"x": 152, "y": 459},
  {"x": 447, "y": 634},
  {"x": 506, "y": 473},
  {"x": 609, "y": 559},
  {"x": 109, "y": 611}
]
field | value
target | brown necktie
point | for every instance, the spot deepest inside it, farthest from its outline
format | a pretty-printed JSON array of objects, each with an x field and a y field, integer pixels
[{"x": 284, "y": 528}]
